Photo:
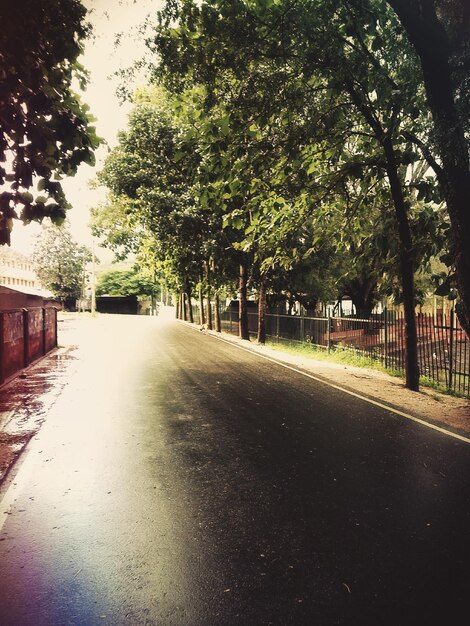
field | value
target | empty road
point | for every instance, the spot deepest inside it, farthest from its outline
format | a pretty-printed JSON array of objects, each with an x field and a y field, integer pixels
[{"x": 179, "y": 480}]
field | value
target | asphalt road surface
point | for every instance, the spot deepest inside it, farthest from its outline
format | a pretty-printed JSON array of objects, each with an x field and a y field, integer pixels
[{"x": 179, "y": 480}]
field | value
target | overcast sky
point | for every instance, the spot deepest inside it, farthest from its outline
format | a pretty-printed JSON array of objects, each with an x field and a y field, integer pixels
[{"x": 102, "y": 58}]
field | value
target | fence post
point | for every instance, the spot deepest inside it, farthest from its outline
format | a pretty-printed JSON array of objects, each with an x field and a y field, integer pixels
[
  {"x": 385, "y": 337},
  {"x": 2, "y": 349},
  {"x": 328, "y": 326},
  {"x": 44, "y": 347},
  {"x": 302, "y": 325},
  {"x": 25, "y": 337},
  {"x": 451, "y": 349},
  {"x": 278, "y": 321}
]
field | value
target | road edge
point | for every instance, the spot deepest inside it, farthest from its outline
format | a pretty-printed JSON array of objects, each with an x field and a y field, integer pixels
[{"x": 249, "y": 347}]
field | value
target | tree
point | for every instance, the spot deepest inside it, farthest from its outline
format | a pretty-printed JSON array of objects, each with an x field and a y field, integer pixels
[
  {"x": 346, "y": 65},
  {"x": 119, "y": 230},
  {"x": 45, "y": 129},
  {"x": 126, "y": 283},
  {"x": 147, "y": 177},
  {"x": 440, "y": 34},
  {"x": 151, "y": 177},
  {"x": 59, "y": 262}
]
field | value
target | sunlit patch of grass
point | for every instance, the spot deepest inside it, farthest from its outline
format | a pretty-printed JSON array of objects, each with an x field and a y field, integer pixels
[
  {"x": 334, "y": 355},
  {"x": 430, "y": 383}
]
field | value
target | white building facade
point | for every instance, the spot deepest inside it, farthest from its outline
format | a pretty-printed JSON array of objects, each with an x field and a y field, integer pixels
[{"x": 17, "y": 272}]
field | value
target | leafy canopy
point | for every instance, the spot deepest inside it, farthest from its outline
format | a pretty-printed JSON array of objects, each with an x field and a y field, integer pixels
[
  {"x": 46, "y": 131},
  {"x": 126, "y": 283}
]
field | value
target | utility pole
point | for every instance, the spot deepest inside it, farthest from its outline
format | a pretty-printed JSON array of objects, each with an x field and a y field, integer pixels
[
  {"x": 93, "y": 279},
  {"x": 82, "y": 306}
]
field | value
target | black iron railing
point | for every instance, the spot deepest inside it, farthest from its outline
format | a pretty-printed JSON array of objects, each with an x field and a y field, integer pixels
[{"x": 443, "y": 346}]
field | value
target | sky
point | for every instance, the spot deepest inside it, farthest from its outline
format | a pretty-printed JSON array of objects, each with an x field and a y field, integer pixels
[{"x": 102, "y": 58}]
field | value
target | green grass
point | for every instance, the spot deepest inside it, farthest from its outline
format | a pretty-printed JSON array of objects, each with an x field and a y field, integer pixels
[
  {"x": 355, "y": 359},
  {"x": 335, "y": 355}
]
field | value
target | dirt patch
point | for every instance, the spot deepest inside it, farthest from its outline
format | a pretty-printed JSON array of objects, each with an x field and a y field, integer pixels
[{"x": 10, "y": 449}]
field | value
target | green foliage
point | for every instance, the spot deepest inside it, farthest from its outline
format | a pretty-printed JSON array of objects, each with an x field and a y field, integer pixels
[
  {"x": 45, "y": 129},
  {"x": 155, "y": 208},
  {"x": 114, "y": 224},
  {"x": 301, "y": 120},
  {"x": 277, "y": 147},
  {"x": 125, "y": 283},
  {"x": 60, "y": 262},
  {"x": 149, "y": 185}
]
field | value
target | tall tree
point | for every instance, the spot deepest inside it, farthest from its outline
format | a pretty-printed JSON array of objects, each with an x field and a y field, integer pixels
[
  {"x": 334, "y": 61},
  {"x": 59, "y": 262},
  {"x": 440, "y": 32},
  {"x": 152, "y": 181}
]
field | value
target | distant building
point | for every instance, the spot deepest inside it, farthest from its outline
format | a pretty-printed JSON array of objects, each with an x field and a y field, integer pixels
[{"x": 16, "y": 272}]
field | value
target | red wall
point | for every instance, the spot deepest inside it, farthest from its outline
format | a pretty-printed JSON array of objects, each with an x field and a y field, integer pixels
[
  {"x": 28, "y": 330},
  {"x": 11, "y": 343}
]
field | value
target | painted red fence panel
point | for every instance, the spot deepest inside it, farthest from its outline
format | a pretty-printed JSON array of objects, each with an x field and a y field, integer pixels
[
  {"x": 50, "y": 329},
  {"x": 26, "y": 335},
  {"x": 35, "y": 339},
  {"x": 12, "y": 343}
]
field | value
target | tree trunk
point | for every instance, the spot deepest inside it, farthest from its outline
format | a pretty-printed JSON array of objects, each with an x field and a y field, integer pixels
[
  {"x": 242, "y": 310},
  {"x": 190, "y": 307},
  {"x": 407, "y": 265},
  {"x": 361, "y": 292},
  {"x": 208, "y": 297},
  {"x": 183, "y": 306},
  {"x": 406, "y": 252},
  {"x": 262, "y": 310},
  {"x": 432, "y": 44},
  {"x": 178, "y": 308},
  {"x": 202, "y": 317},
  {"x": 218, "y": 327}
]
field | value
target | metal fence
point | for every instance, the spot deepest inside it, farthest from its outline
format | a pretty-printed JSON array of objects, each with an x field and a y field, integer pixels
[{"x": 443, "y": 347}]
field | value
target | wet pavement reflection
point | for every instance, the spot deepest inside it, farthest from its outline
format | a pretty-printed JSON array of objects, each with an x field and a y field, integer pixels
[
  {"x": 177, "y": 480},
  {"x": 26, "y": 400}
]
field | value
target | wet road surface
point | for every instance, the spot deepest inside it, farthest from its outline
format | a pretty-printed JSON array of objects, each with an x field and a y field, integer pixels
[{"x": 179, "y": 480}]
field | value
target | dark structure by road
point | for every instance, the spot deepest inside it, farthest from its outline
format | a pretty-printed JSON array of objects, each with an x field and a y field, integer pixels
[{"x": 127, "y": 305}]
